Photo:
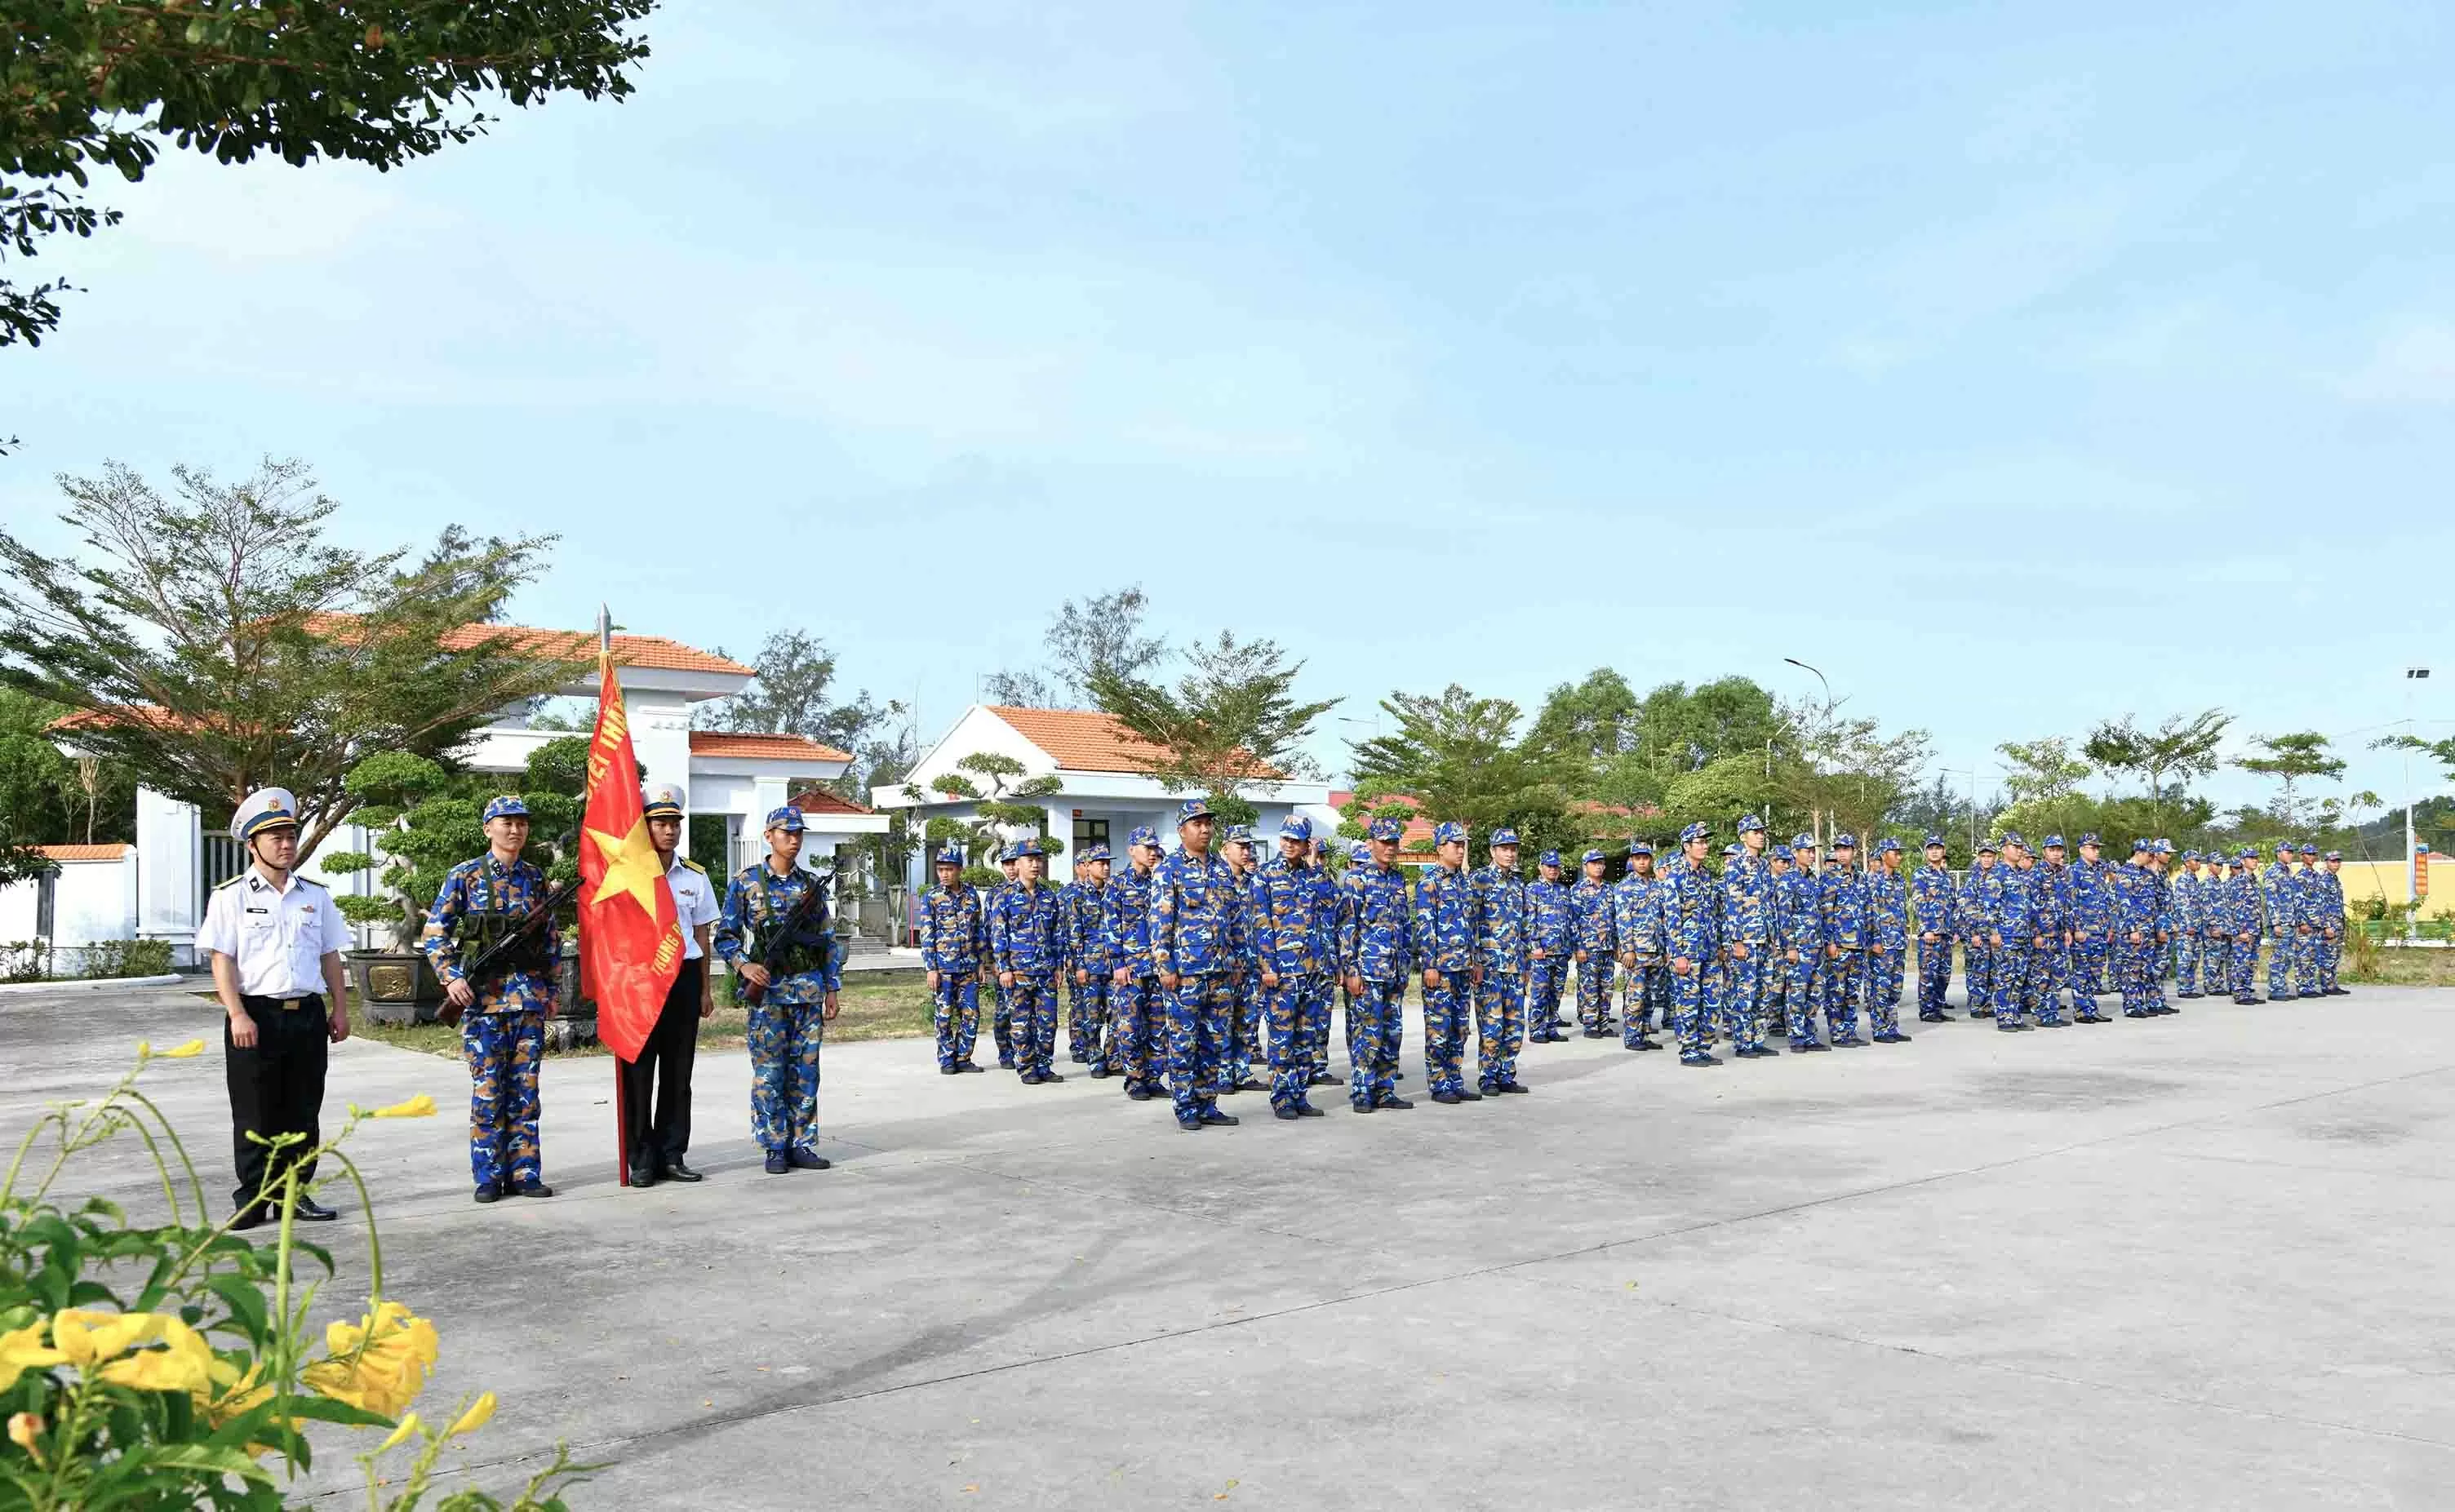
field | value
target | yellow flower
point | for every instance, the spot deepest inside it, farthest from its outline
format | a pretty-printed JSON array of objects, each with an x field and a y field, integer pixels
[
  {"x": 22, "y": 1350},
  {"x": 24, "y": 1428},
  {"x": 475, "y": 1419},
  {"x": 399, "y": 1434},
  {"x": 420, "y": 1106},
  {"x": 186, "y": 1052},
  {"x": 89, "y": 1337},
  {"x": 185, "y": 1364},
  {"x": 379, "y": 1365}
]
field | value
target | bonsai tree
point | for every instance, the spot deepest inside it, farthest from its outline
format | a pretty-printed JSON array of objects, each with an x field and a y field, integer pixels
[
  {"x": 996, "y": 813},
  {"x": 429, "y": 820}
]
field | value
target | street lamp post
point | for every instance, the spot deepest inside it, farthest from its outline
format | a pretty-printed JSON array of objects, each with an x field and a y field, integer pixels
[
  {"x": 2412, "y": 862},
  {"x": 1818, "y": 817}
]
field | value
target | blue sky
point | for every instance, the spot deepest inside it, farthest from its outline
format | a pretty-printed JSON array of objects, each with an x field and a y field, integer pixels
[{"x": 2016, "y": 365}]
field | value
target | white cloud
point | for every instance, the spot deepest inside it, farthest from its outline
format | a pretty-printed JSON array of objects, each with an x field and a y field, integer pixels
[{"x": 2413, "y": 363}]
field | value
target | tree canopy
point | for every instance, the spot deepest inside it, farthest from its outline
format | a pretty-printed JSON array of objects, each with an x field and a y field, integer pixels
[{"x": 1230, "y": 724}]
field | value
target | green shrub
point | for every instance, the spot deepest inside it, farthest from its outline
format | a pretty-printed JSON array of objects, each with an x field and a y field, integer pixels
[
  {"x": 125, "y": 957},
  {"x": 26, "y": 960}
]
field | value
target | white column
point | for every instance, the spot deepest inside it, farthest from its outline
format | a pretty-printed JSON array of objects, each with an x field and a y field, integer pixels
[
  {"x": 1060, "y": 825},
  {"x": 169, "y": 851}
]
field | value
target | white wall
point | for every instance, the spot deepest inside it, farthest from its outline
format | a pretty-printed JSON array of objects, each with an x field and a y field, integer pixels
[
  {"x": 170, "y": 845},
  {"x": 91, "y": 902}
]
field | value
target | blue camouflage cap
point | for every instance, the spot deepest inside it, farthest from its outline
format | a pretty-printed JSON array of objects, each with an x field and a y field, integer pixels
[
  {"x": 1547, "y": 858},
  {"x": 1092, "y": 853},
  {"x": 1449, "y": 829},
  {"x": 1240, "y": 834},
  {"x": 952, "y": 855},
  {"x": 1988, "y": 847},
  {"x": 1143, "y": 834},
  {"x": 2012, "y": 837},
  {"x": 1637, "y": 848},
  {"x": 1009, "y": 853},
  {"x": 2142, "y": 847},
  {"x": 1190, "y": 810},
  {"x": 1503, "y": 836},
  {"x": 1590, "y": 857},
  {"x": 1734, "y": 851},
  {"x": 1751, "y": 822},
  {"x": 2090, "y": 839},
  {"x": 1778, "y": 851},
  {"x": 1359, "y": 852},
  {"x": 1843, "y": 841},
  {"x": 1802, "y": 842},
  {"x": 2054, "y": 842},
  {"x": 2309, "y": 849},
  {"x": 2284, "y": 847},
  {"x": 2333, "y": 855},
  {"x": 1698, "y": 831},
  {"x": 1385, "y": 828},
  {"x": 510, "y": 807},
  {"x": 1029, "y": 847},
  {"x": 1295, "y": 827},
  {"x": 2190, "y": 856},
  {"x": 2164, "y": 847},
  {"x": 1887, "y": 843},
  {"x": 787, "y": 819},
  {"x": 1933, "y": 842}
]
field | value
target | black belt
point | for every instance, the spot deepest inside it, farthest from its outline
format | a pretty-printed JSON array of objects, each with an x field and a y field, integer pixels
[{"x": 314, "y": 1000}]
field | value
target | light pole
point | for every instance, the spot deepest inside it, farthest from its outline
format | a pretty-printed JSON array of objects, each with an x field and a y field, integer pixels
[
  {"x": 1817, "y": 813},
  {"x": 2412, "y": 862}
]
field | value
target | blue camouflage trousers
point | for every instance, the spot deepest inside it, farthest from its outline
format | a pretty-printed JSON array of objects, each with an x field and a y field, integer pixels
[
  {"x": 1086, "y": 1017},
  {"x": 1978, "y": 963},
  {"x": 2306, "y": 962},
  {"x": 958, "y": 1000},
  {"x": 1801, "y": 992},
  {"x": 2014, "y": 960},
  {"x": 1198, "y": 1013},
  {"x": 1546, "y": 979},
  {"x": 1246, "y": 1045},
  {"x": 1500, "y": 1027},
  {"x": 784, "y": 1040},
  {"x": 2049, "y": 967},
  {"x": 1595, "y": 992},
  {"x": 1295, "y": 1005},
  {"x": 1376, "y": 1031},
  {"x": 2241, "y": 967},
  {"x": 1885, "y": 966},
  {"x": 1137, "y": 1030},
  {"x": 2089, "y": 959},
  {"x": 504, "y": 1051},
  {"x": 1446, "y": 1010},
  {"x": 2330, "y": 955},
  {"x": 1844, "y": 978},
  {"x": 1743, "y": 984},
  {"x": 1031, "y": 1009},
  {"x": 2187, "y": 962},
  {"x": 1689, "y": 1012},
  {"x": 1934, "y": 974},
  {"x": 1001, "y": 1021},
  {"x": 1645, "y": 999},
  {"x": 2135, "y": 963}
]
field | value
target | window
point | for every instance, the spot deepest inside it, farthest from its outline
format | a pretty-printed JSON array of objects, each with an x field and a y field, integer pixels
[{"x": 1088, "y": 832}]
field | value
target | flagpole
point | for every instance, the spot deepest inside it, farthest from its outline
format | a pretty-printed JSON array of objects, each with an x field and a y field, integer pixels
[{"x": 622, "y": 1118}]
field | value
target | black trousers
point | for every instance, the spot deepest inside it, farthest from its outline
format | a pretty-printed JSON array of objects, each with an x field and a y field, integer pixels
[
  {"x": 276, "y": 1087},
  {"x": 664, "y": 1067}
]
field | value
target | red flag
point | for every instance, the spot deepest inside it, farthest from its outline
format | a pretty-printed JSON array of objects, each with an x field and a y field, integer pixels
[{"x": 630, "y": 934}]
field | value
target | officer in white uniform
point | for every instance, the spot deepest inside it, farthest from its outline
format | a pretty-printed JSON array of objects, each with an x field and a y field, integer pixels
[
  {"x": 276, "y": 941},
  {"x": 660, "y": 1134}
]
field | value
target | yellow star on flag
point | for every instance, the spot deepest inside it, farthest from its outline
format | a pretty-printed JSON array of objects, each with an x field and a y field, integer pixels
[{"x": 630, "y": 867}]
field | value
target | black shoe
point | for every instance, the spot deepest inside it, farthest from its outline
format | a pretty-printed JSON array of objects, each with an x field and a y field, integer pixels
[
  {"x": 1286, "y": 1110},
  {"x": 2053, "y": 1023},
  {"x": 1648, "y": 1044},
  {"x": 1004, "y": 1064},
  {"x": 1030, "y": 1078},
  {"x": 1397, "y": 1076},
  {"x": 1393, "y": 1100},
  {"x": 1447, "y": 1096},
  {"x": 1514, "y": 1087},
  {"x": 676, "y": 1171},
  {"x": 1931, "y": 1018},
  {"x": 483, "y": 1193},
  {"x": 1981, "y": 1013},
  {"x": 1852, "y": 1040},
  {"x": 1047, "y": 1077},
  {"x": 311, "y": 1211},
  {"x": 1080, "y": 1059},
  {"x": 532, "y": 1189},
  {"x": 1359, "y": 1104},
  {"x": 1810, "y": 1048},
  {"x": 2093, "y": 1018},
  {"x": 2306, "y": 995},
  {"x": 967, "y": 1068},
  {"x": 1139, "y": 1094},
  {"x": 1191, "y": 1125},
  {"x": 1700, "y": 1059},
  {"x": 1306, "y": 1110},
  {"x": 643, "y": 1176},
  {"x": 1883, "y": 1037},
  {"x": 950, "y": 1071},
  {"x": 254, "y": 1216},
  {"x": 777, "y": 1165},
  {"x": 2014, "y": 1028},
  {"x": 1465, "y": 1095},
  {"x": 1322, "y": 1079},
  {"x": 1100, "y": 1072},
  {"x": 2186, "y": 996},
  {"x": 1249, "y": 1084},
  {"x": 1219, "y": 1121}
]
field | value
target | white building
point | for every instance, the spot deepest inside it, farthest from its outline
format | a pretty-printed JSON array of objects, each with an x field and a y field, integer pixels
[
  {"x": 1104, "y": 786},
  {"x": 163, "y": 878}
]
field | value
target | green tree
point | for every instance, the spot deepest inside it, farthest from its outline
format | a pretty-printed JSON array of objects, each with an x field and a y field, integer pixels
[
  {"x": 1461, "y": 757},
  {"x": 2042, "y": 779},
  {"x": 51, "y": 798},
  {"x": 93, "y": 86},
  {"x": 1230, "y": 724},
  {"x": 1845, "y": 773},
  {"x": 793, "y": 693},
  {"x": 997, "y": 808},
  {"x": 2182, "y": 747},
  {"x": 426, "y": 820},
  {"x": 2291, "y": 761},
  {"x": 216, "y": 643},
  {"x": 1103, "y": 636}
]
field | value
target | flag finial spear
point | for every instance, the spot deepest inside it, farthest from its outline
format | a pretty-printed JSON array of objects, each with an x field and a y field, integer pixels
[{"x": 604, "y": 631}]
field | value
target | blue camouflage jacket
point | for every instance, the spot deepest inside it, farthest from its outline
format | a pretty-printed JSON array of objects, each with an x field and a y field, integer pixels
[
  {"x": 1291, "y": 933},
  {"x": 953, "y": 936},
  {"x": 1936, "y": 901},
  {"x": 1028, "y": 930},
  {"x": 2092, "y": 899},
  {"x": 1979, "y": 893},
  {"x": 1747, "y": 901},
  {"x": 1444, "y": 922},
  {"x": 1129, "y": 921},
  {"x": 1841, "y": 897},
  {"x": 1197, "y": 916},
  {"x": 1375, "y": 933},
  {"x": 2015, "y": 905},
  {"x": 2282, "y": 895},
  {"x": 1555, "y": 918},
  {"x": 2135, "y": 899},
  {"x": 756, "y": 895},
  {"x": 1590, "y": 917},
  {"x": 1087, "y": 928},
  {"x": 485, "y": 885},
  {"x": 1690, "y": 912},
  {"x": 1798, "y": 911},
  {"x": 1637, "y": 917},
  {"x": 1888, "y": 907},
  {"x": 1501, "y": 912}
]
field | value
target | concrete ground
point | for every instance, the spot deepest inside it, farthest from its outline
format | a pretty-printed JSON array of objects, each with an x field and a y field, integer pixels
[{"x": 2200, "y": 1261}]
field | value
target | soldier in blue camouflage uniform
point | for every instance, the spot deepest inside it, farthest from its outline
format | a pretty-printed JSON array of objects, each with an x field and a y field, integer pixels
[
  {"x": 1293, "y": 950},
  {"x": 1444, "y": 950},
  {"x": 1554, "y": 939},
  {"x": 1843, "y": 902},
  {"x": 2078, "y": 907},
  {"x": 1776, "y": 964},
  {"x": 2280, "y": 893},
  {"x": 2135, "y": 931},
  {"x": 2216, "y": 925},
  {"x": 1592, "y": 944},
  {"x": 502, "y": 1024},
  {"x": 2309, "y": 921},
  {"x": 1029, "y": 938},
  {"x": 1246, "y": 1045},
  {"x": 1935, "y": 904},
  {"x": 1645, "y": 978},
  {"x": 788, "y": 1027},
  {"x": 1500, "y": 913},
  {"x": 1197, "y": 942},
  {"x": 2017, "y": 915},
  {"x": 1887, "y": 943},
  {"x": 1137, "y": 1010},
  {"x": 1981, "y": 952},
  {"x": 2332, "y": 924},
  {"x": 2190, "y": 928},
  {"x": 2092, "y": 921},
  {"x": 954, "y": 936},
  {"x": 1800, "y": 907},
  {"x": 1091, "y": 966},
  {"x": 1745, "y": 931},
  {"x": 2244, "y": 914},
  {"x": 2051, "y": 969},
  {"x": 1375, "y": 953},
  {"x": 1329, "y": 900},
  {"x": 1691, "y": 912},
  {"x": 1001, "y": 1011}
]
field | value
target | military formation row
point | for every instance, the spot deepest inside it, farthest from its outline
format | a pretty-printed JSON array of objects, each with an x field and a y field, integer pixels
[{"x": 1188, "y": 969}]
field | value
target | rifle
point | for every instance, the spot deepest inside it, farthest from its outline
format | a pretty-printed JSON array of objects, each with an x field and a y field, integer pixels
[
  {"x": 786, "y": 932},
  {"x": 520, "y": 947}
]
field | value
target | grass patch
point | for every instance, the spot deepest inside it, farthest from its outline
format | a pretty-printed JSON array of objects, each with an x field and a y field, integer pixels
[{"x": 870, "y": 1011}]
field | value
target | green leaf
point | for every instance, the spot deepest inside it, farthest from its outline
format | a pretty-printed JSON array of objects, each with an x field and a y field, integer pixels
[{"x": 245, "y": 1301}]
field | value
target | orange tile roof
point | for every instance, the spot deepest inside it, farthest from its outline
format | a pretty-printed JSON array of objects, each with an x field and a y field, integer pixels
[
  {"x": 819, "y": 800},
  {"x": 1087, "y": 740},
  {"x": 128, "y": 713},
  {"x": 763, "y": 747},
  {"x": 570, "y": 645},
  {"x": 105, "y": 851}
]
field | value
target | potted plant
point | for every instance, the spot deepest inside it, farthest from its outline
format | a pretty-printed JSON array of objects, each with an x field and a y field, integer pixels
[{"x": 427, "y": 820}]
